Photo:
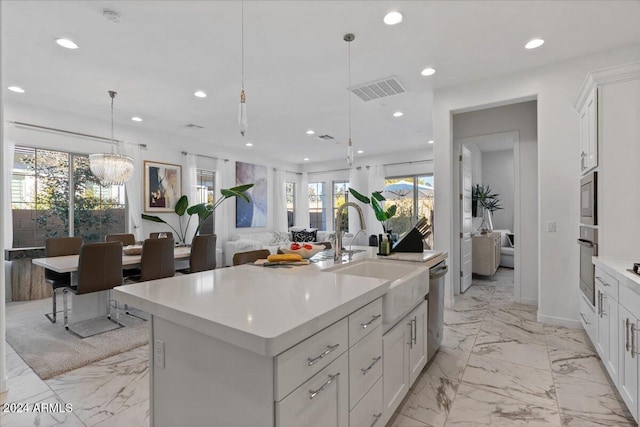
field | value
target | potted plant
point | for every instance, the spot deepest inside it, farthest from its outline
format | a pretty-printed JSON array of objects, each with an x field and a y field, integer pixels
[
  {"x": 482, "y": 196},
  {"x": 374, "y": 201},
  {"x": 203, "y": 210}
]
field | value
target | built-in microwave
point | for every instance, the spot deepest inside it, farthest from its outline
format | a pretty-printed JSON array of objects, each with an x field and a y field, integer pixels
[{"x": 589, "y": 199}]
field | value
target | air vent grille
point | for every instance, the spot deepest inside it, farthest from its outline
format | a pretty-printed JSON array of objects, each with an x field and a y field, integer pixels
[
  {"x": 379, "y": 89},
  {"x": 326, "y": 137},
  {"x": 194, "y": 126}
]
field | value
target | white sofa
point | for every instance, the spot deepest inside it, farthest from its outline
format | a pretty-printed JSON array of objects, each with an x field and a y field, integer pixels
[
  {"x": 270, "y": 240},
  {"x": 506, "y": 250}
]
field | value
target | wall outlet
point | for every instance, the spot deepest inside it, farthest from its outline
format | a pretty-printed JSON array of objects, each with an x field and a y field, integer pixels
[
  {"x": 551, "y": 227},
  {"x": 158, "y": 354}
]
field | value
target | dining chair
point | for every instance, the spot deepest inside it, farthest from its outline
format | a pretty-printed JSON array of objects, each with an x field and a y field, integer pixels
[
  {"x": 99, "y": 269},
  {"x": 248, "y": 257},
  {"x": 53, "y": 247},
  {"x": 126, "y": 239},
  {"x": 169, "y": 235},
  {"x": 203, "y": 254},
  {"x": 327, "y": 245}
]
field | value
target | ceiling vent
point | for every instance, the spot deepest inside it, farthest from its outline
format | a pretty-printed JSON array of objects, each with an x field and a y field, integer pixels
[
  {"x": 326, "y": 137},
  {"x": 194, "y": 126},
  {"x": 379, "y": 89}
]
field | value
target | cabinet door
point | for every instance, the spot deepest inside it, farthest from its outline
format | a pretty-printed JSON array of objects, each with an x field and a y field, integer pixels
[
  {"x": 591, "y": 160},
  {"x": 322, "y": 401},
  {"x": 395, "y": 367},
  {"x": 610, "y": 317},
  {"x": 584, "y": 137},
  {"x": 418, "y": 343},
  {"x": 602, "y": 330},
  {"x": 628, "y": 368}
]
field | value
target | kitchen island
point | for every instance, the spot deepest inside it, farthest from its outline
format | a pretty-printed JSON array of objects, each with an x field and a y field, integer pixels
[{"x": 256, "y": 346}]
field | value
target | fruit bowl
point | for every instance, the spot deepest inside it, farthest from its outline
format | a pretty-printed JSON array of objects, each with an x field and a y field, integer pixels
[{"x": 302, "y": 251}]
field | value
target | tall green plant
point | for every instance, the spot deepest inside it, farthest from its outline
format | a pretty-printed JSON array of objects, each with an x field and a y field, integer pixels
[
  {"x": 203, "y": 210},
  {"x": 374, "y": 201},
  {"x": 486, "y": 198}
]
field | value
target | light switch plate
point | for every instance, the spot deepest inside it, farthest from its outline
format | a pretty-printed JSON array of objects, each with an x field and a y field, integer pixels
[
  {"x": 551, "y": 227},
  {"x": 158, "y": 353}
]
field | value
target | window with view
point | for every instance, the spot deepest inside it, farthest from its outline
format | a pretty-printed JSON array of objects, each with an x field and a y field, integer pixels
[
  {"x": 52, "y": 189},
  {"x": 317, "y": 206},
  {"x": 205, "y": 193},
  {"x": 340, "y": 197},
  {"x": 290, "y": 191},
  {"x": 413, "y": 196}
]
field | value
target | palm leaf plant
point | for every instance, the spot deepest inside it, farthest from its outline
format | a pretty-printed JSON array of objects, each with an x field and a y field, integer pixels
[
  {"x": 382, "y": 215},
  {"x": 203, "y": 210}
]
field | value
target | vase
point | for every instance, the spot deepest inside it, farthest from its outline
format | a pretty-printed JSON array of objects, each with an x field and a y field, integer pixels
[{"x": 487, "y": 224}]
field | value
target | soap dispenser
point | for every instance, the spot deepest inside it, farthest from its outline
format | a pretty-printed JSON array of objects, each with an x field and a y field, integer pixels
[{"x": 385, "y": 245}]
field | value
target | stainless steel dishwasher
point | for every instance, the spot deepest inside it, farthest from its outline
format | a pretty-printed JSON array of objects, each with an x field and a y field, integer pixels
[{"x": 435, "y": 327}]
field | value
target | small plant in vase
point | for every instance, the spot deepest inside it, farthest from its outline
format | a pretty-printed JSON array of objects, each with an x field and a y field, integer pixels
[{"x": 489, "y": 202}]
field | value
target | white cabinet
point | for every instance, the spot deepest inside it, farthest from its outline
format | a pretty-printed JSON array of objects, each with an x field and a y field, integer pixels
[
  {"x": 628, "y": 369},
  {"x": 588, "y": 318},
  {"x": 323, "y": 401},
  {"x": 607, "y": 328},
  {"x": 405, "y": 355},
  {"x": 588, "y": 113}
]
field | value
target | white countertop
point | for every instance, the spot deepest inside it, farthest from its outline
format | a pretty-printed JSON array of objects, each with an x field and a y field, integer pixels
[{"x": 261, "y": 309}]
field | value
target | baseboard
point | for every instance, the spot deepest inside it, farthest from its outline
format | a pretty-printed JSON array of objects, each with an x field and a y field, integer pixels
[
  {"x": 559, "y": 321},
  {"x": 449, "y": 302},
  {"x": 529, "y": 301}
]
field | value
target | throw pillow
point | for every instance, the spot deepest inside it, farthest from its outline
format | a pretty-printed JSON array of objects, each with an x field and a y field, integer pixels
[
  {"x": 304, "y": 236},
  {"x": 280, "y": 237}
]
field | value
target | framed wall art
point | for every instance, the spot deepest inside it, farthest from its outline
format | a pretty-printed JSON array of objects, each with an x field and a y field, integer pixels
[
  {"x": 254, "y": 212},
  {"x": 162, "y": 186}
]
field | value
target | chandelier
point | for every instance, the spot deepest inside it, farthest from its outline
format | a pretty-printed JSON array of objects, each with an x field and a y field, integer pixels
[
  {"x": 111, "y": 168},
  {"x": 349, "y": 38}
]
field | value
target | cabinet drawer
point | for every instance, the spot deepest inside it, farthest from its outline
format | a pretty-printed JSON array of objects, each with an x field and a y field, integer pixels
[
  {"x": 609, "y": 283},
  {"x": 364, "y": 321},
  {"x": 588, "y": 318},
  {"x": 368, "y": 412},
  {"x": 322, "y": 401},
  {"x": 302, "y": 361},
  {"x": 365, "y": 365}
]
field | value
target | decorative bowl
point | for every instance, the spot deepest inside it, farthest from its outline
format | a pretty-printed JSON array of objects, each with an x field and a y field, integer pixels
[
  {"x": 305, "y": 253},
  {"x": 132, "y": 250}
]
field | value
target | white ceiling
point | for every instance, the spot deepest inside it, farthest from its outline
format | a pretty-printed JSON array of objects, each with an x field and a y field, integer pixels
[{"x": 295, "y": 63}]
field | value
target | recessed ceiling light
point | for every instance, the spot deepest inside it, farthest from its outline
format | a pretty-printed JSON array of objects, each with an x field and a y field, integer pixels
[
  {"x": 398, "y": 114},
  {"x": 534, "y": 44},
  {"x": 66, "y": 43},
  {"x": 136, "y": 119},
  {"x": 393, "y": 18},
  {"x": 16, "y": 89},
  {"x": 430, "y": 141},
  {"x": 200, "y": 94},
  {"x": 428, "y": 71},
  {"x": 306, "y": 159},
  {"x": 248, "y": 144},
  {"x": 311, "y": 132},
  {"x": 360, "y": 151}
]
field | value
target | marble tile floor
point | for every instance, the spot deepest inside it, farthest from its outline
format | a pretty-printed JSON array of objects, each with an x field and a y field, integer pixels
[{"x": 497, "y": 366}]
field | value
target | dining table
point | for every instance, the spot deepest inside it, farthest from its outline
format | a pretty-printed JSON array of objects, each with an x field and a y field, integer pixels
[{"x": 90, "y": 306}]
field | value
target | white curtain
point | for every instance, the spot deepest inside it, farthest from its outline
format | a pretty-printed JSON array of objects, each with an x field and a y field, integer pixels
[
  {"x": 358, "y": 181},
  {"x": 376, "y": 183},
  {"x": 279, "y": 201},
  {"x": 221, "y": 214},
  {"x": 8, "y": 153},
  {"x": 302, "y": 202},
  {"x": 190, "y": 189},
  {"x": 133, "y": 191}
]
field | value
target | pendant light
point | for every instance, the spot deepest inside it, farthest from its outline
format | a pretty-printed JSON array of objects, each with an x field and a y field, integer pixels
[
  {"x": 243, "y": 121},
  {"x": 349, "y": 38},
  {"x": 113, "y": 168}
]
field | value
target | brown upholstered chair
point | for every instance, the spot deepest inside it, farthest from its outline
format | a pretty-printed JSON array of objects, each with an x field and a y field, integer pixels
[
  {"x": 99, "y": 269},
  {"x": 203, "y": 254},
  {"x": 155, "y": 235},
  {"x": 157, "y": 261},
  {"x": 59, "y": 246},
  {"x": 327, "y": 245},
  {"x": 126, "y": 239},
  {"x": 248, "y": 257}
]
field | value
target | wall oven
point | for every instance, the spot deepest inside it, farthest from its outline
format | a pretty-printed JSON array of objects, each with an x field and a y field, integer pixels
[
  {"x": 589, "y": 199},
  {"x": 588, "y": 242}
]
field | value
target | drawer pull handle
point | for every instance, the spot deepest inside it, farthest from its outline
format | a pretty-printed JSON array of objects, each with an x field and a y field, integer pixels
[
  {"x": 626, "y": 334},
  {"x": 602, "y": 281},
  {"x": 634, "y": 331},
  {"x": 414, "y": 329},
  {"x": 314, "y": 393},
  {"x": 585, "y": 319},
  {"x": 373, "y": 319},
  {"x": 314, "y": 360},
  {"x": 375, "y": 360},
  {"x": 377, "y": 418}
]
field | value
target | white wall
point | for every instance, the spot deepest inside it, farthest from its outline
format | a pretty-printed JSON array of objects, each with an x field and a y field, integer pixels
[
  {"x": 3, "y": 282},
  {"x": 555, "y": 87},
  {"x": 498, "y": 173}
]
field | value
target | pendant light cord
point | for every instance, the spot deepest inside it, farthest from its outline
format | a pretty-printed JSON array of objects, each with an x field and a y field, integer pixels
[
  {"x": 349, "y": 89},
  {"x": 113, "y": 144},
  {"x": 242, "y": 44}
]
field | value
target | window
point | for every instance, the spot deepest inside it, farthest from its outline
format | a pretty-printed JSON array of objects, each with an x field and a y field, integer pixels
[
  {"x": 290, "y": 191},
  {"x": 317, "y": 206},
  {"x": 340, "y": 197},
  {"x": 205, "y": 193},
  {"x": 51, "y": 189},
  {"x": 413, "y": 196}
]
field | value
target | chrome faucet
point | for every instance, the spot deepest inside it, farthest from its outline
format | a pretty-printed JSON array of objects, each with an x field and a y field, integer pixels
[{"x": 337, "y": 252}]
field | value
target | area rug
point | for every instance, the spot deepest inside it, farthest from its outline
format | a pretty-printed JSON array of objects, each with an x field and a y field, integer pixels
[{"x": 51, "y": 350}]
